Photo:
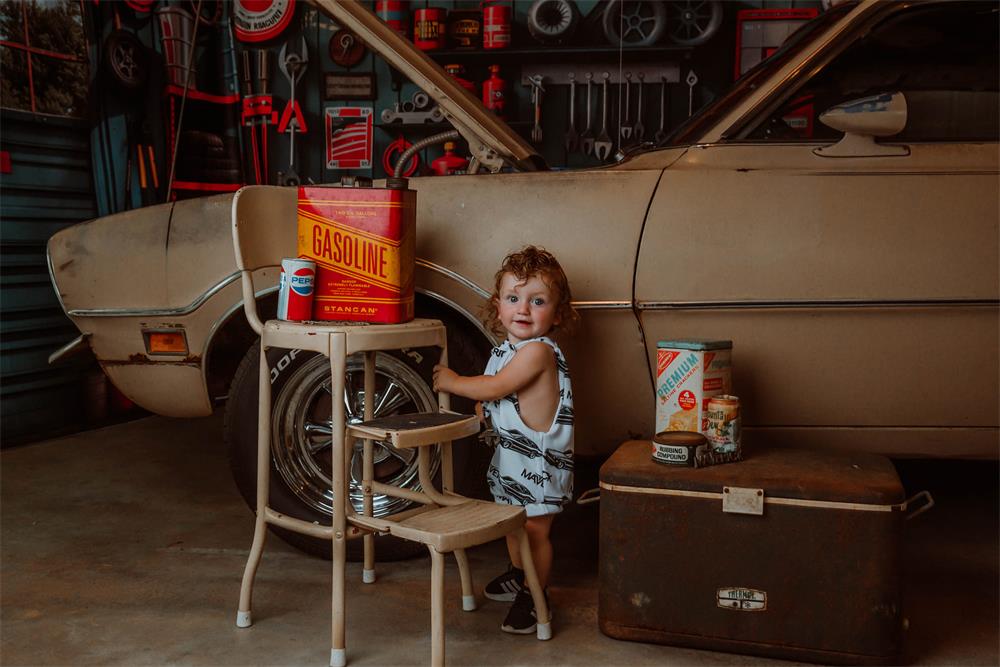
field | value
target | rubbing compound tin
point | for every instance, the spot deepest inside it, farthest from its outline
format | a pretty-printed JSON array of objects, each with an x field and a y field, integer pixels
[{"x": 679, "y": 448}]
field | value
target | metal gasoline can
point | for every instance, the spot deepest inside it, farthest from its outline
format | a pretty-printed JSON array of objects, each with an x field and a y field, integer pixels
[
  {"x": 363, "y": 240},
  {"x": 723, "y": 431},
  {"x": 296, "y": 287}
]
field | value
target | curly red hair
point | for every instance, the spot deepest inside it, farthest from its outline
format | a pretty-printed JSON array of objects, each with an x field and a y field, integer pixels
[{"x": 527, "y": 262}]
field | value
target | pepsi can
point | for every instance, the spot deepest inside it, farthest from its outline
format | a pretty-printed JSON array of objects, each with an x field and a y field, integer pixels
[{"x": 295, "y": 289}]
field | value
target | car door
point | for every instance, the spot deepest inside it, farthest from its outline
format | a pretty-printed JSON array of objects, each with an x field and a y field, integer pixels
[{"x": 860, "y": 291}]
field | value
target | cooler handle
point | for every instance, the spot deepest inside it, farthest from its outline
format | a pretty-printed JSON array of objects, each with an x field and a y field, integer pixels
[
  {"x": 928, "y": 503},
  {"x": 590, "y": 496}
]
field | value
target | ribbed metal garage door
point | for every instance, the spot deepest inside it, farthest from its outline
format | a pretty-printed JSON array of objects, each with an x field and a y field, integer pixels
[{"x": 48, "y": 187}]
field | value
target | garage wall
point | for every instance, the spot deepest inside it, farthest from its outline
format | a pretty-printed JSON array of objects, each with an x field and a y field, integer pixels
[{"x": 48, "y": 187}]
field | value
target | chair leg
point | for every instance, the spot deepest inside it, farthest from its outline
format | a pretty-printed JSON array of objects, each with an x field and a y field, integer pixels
[
  {"x": 368, "y": 469},
  {"x": 437, "y": 607},
  {"x": 338, "y": 652},
  {"x": 543, "y": 630},
  {"x": 244, "y": 618},
  {"x": 468, "y": 595}
]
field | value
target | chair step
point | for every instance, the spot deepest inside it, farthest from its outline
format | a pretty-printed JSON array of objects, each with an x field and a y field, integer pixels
[{"x": 418, "y": 429}]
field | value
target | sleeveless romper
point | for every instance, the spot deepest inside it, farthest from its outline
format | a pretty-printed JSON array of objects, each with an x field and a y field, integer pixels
[{"x": 531, "y": 468}]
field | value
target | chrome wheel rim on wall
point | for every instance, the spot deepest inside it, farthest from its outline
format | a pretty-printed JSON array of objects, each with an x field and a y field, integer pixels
[{"x": 301, "y": 431}]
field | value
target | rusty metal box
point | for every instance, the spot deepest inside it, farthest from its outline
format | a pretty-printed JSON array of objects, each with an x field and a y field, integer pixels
[{"x": 790, "y": 553}]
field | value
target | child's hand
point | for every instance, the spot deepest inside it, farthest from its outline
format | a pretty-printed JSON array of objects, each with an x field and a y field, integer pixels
[{"x": 443, "y": 378}]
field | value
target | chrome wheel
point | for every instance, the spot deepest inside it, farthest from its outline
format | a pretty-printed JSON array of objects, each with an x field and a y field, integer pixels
[{"x": 301, "y": 430}]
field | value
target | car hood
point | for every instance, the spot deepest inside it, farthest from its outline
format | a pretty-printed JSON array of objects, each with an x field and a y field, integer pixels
[{"x": 490, "y": 140}]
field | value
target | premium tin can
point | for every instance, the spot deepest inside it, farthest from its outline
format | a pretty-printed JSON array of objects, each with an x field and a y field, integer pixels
[
  {"x": 363, "y": 240},
  {"x": 723, "y": 430},
  {"x": 296, "y": 287},
  {"x": 688, "y": 373},
  {"x": 680, "y": 448}
]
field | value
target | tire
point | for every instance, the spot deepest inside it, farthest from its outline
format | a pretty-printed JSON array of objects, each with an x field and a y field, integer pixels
[
  {"x": 300, "y": 464},
  {"x": 126, "y": 61}
]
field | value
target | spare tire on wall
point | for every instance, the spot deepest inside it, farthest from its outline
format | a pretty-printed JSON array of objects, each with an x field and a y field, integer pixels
[{"x": 300, "y": 435}]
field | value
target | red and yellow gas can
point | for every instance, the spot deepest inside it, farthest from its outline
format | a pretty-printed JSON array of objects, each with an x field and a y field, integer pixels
[{"x": 363, "y": 241}]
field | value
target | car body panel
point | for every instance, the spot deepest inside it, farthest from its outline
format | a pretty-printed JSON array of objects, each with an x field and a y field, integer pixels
[{"x": 861, "y": 292}]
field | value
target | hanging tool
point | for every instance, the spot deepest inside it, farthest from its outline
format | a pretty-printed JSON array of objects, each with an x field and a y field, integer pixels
[
  {"x": 572, "y": 138},
  {"x": 536, "y": 98},
  {"x": 587, "y": 137},
  {"x": 661, "y": 134},
  {"x": 626, "y": 129},
  {"x": 264, "y": 92},
  {"x": 691, "y": 80},
  {"x": 603, "y": 144},
  {"x": 249, "y": 119},
  {"x": 293, "y": 66},
  {"x": 639, "y": 130}
]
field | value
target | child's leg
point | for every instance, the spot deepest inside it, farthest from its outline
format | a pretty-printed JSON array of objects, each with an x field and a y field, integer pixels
[{"x": 537, "y": 529}]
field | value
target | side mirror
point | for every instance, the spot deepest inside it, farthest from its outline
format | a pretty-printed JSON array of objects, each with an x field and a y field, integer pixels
[{"x": 861, "y": 121}]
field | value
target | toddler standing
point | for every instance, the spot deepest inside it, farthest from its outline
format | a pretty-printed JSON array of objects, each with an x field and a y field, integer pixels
[{"x": 526, "y": 394}]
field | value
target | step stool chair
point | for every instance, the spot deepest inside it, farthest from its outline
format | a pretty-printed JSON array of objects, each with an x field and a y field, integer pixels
[{"x": 444, "y": 521}]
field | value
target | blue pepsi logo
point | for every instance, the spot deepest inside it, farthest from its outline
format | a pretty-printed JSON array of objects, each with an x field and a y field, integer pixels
[{"x": 301, "y": 282}]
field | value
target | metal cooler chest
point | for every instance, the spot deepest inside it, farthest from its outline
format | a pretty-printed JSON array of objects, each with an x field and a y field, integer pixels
[{"x": 789, "y": 553}]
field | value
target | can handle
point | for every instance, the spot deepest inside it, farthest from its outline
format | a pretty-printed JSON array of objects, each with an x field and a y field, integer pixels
[
  {"x": 590, "y": 496},
  {"x": 928, "y": 503}
]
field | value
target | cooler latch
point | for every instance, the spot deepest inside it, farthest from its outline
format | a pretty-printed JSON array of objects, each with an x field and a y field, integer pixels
[{"x": 737, "y": 500}]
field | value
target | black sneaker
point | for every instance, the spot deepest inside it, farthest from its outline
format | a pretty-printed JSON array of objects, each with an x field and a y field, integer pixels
[
  {"x": 521, "y": 618},
  {"x": 506, "y": 586}
]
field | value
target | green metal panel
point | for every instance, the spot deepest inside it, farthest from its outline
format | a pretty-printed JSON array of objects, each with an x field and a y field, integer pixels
[{"x": 49, "y": 187}]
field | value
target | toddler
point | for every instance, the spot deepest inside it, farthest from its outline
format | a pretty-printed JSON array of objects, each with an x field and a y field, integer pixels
[{"x": 525, "y": 392}]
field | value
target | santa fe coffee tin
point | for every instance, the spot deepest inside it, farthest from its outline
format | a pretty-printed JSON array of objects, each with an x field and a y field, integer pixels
[
  {"x": 679, "y": 448},
  {"x": 296, "y": 287}
]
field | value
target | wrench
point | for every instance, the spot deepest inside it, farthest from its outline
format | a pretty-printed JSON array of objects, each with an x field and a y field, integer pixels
[
  {"x": 572, "y": 138},
  {"x": 691, "y": 80},
  {"x": 536, "y": 99},
  {"x": 639, "y": 129},
  {"x": 661, "y": 134},
  {"x": 293, "y": 66},
  {"x": 587, "y": 137},
  {"x": 626, "y": 130},
  {"x": 603, "y": 145}
]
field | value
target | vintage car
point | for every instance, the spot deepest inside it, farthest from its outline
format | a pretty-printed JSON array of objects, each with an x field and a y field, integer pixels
[{"x": 851, "y": 257}]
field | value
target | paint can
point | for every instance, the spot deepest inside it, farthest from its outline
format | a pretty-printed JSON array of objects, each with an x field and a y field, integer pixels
[
  {"x": 395, "y": 13},
  {"x": 296, "y": 287},
  {"x": 430, "y": 30},
  {"x": 496, "y": 24}
]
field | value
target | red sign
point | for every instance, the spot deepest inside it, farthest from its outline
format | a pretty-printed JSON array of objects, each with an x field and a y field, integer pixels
[
  {"x": 349, "y": 137},
  {"x": 261, "y": 20}
]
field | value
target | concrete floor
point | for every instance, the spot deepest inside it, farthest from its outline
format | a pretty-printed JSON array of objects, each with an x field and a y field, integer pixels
[{"x": 125, "y": 546}]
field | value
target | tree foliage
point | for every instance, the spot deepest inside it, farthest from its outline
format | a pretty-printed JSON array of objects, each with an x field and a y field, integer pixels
[{"x": 60, "y": 85}]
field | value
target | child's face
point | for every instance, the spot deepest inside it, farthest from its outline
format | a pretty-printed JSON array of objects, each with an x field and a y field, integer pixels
[{"x": 527, "y": 309}]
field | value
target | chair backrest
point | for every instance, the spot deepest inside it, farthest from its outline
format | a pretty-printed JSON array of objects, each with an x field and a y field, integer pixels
[
  {"x": 264, "y": 225},
  {"x": 265, "y": 230}
]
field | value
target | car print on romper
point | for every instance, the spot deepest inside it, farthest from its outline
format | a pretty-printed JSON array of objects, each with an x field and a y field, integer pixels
[
  {"x": 516, "y": 441},
  {"x": 510, "y": 487},
  {"x": 557, "y": 459}
]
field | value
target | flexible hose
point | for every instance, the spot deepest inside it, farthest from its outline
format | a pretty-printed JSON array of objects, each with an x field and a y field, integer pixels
[{"x": 439, "y": 138}]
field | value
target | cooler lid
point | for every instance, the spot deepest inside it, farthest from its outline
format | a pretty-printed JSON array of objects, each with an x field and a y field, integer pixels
[
  {"x": 696, "y": 344},
  {"x": 801, "y": 474}
]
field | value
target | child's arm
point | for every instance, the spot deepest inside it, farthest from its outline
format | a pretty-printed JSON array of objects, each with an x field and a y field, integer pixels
[{"x": 526, "y": 366}]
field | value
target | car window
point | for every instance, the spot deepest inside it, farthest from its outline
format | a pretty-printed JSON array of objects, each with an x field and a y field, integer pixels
[
  {"x": 694, "y": 127},
  {"x": 943, "y": 58}
]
